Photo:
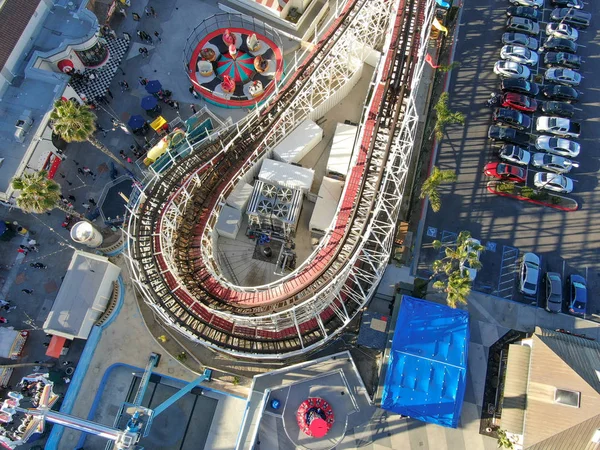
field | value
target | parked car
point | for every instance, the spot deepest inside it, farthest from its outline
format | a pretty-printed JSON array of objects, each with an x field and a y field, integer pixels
[
  {"x": 519, "y": 86},
  {"x": 558, "y": 126},
  {"x": 520, "y": 39},
  {"x": 511, "y": 117},
  {"x": 526, "y": 12},
  {"x": 510, "y": 135},
  {"x": 553, "y": 163},
  {"x": 553, "y": 292},
  {"x": 577, "y": 292},
  {"x": 577, "y": 4},
  {"x": 519, "y": 102},
  {"x": 532, "y": 3},
  {"x": 558, "y": 146},
  {"x": 562, "y": 30},
  {"x": 509, "y": 69},
  {"x": 567, "y": 77},
  {"x": 559, "y": 45},
  {"x": 553, "y": 182},
  {"x": 558, "y": 109},
  {"x": 519, "y": 54},
  {"x": 505, "y": 171},
  {"x": 472, "y": 244},
  {"x": 529, "y": 274},
  {"x": 521, "y": 25},
  {"x": 562, "y": 59},
  {"x": 572, "y": 17},
  {"x": 563, "y": 93},
  {"x": 514, "y": 155}
]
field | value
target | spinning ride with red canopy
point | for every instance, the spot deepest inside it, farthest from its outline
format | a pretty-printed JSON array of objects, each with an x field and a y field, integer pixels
[{"x": 315, "y": 417}]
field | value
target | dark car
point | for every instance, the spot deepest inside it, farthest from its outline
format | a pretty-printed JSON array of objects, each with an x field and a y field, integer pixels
[
  {"x": 559, "y": 92},
  {"x": 510, "y": 135},
  {"x": 558, "y": 109},
  {"x": 577, "y": 4},
  {"x": 520, "y": 86},
  {"x": 560, "y": 45},
  {"x": 524, "y": 11},
  {"x": 562, "y": 59},
  {"x": 577, "y": 288},
  {"x": 511, "y": 117},
  {"x": 553, "y": 292},
  {"x": 577, "y": 19}
]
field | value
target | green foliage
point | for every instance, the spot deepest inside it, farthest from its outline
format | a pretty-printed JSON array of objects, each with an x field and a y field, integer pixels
[
  {"x": 37, "y": 194},
  {"x": 432, "y": 184},
  {"x": 555, "y": 200},
  {"x": 181, "y": 357},
  {"x": 527, "y": 192},
  {"x": 444, "y": 68},
  {"x": 504, "y": 441},
  {"x": 506, "y": 186},
  {"x": 455, "y": 281},
  {"x": 236, "y": 380},
  {"x": 445, "y": 116}
]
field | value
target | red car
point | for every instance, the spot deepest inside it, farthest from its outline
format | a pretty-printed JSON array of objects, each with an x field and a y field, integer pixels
[
  {"x": 519, "y": 102},
  {"x": 505, "y": 172}
]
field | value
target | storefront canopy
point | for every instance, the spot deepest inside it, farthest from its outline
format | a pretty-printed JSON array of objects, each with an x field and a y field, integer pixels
[{"x": 56, "y": 345}]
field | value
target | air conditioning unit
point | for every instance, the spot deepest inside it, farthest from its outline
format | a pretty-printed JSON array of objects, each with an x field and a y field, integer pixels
[
  {"x": 269, "y": 191},
  {"x": 264, "y": 207},
  {"x": 281, "y": 211},
  {"x": 285, "y": 195}
]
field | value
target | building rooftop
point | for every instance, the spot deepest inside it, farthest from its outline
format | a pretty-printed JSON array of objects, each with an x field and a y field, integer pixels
[{"x": 14, "y": 17}]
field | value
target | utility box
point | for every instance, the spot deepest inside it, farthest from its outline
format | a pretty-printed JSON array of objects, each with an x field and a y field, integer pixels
[{"x": 23, "y": 125}]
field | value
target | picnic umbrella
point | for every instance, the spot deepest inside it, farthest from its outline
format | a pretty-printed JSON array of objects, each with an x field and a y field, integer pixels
[
  {"x": 136, "y": 122},
  {"x": 149, "y": 102},
  {"x": 153, "y": 87}
]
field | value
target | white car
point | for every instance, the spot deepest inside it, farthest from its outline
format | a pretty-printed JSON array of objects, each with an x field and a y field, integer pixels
[
  {"x": 553, "y": 163},
  {"x": 520, "y": 39},
  {"x": 529, "y": 274},
  {"x": 558, "y": 146},
  {"x": 515, "y": 155},
  {"x": 532, "y": 3},
  {"x": 471, "y": 243},
  {"x": 509, "y": 69},
  {"x": 563, "y": 76},
  {"x": 562, "y": 30},
  {"x": 519, "y": 54},
  {"x": 553, "y": 182}
]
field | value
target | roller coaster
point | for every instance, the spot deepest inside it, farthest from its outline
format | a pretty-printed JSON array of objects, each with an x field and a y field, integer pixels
[{"x": 171, "y": 225}]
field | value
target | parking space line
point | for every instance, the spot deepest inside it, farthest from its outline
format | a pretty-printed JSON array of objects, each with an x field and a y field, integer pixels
[
  {"x": 508, "y": 272},
  {"x": 447, "y": 238}
]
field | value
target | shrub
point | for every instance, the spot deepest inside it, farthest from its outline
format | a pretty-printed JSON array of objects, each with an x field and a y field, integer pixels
[
  {"x": 506, "y": 186},
  {"x": 527, "y": 192}
]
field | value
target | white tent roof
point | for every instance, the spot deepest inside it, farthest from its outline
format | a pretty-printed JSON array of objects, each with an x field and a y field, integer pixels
[
  {"x": 299, "y": 142},
  {"x": 83, "y": 296},
  {"x": 325, "y": 208},
  {"x": 286, "y": 175},
  {"x": 7, "y": 339},
  {"x": 240, "y": 195},
  {"x": 341, "y": 149}
]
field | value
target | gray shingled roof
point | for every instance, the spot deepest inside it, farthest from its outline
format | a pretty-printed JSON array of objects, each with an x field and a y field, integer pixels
[
  {"x": 14, "y": 17},
  {"x": 582, "y": 355}
]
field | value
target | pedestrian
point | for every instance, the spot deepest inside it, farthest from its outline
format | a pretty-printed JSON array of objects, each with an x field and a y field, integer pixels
[
  {"x": 141, "y": 52},
  {"x": 87, "y": 171},
  {"x": 149, "y": 38},
  {"x": 80, "y": 171},
  {"x": 9, "y": 308},
  {"x": 67, "y": 380},
  {"x": 3, "y": 320},
  {"x": 92, "y": 201},
  {"x": 66, "y": 363},
  {"x": 69, "y": 183},
  {"x": 170, "y": 102},
  {"x": 193, "y": 91},
  {"x": 21, "y": 250},
  {"x": 85, "y": 205},
  {"x": 140, "y": 35},
  {"x": 129, "y": 160},
  {"x": 4, "y": 302},
  {"x": 157, "y": 36},
  {"x": 145, "y": 51},
  {"x": 46, "y": 344},
  {"x": 176, "y": 105},
  {"x": 135, "y": 16},
  {"x": 153, "y": 12},
  {"x": 122, "y": 154},
  {"x": 101, "y": 130},
  {"x": 109, "y": 93},
  {"x": 38, "y": 265},
  {"x": 126, "y": 35},
  {"x": 143, "y": 81},
  {"x": 27, "y": 291},
  {"x": 193, "y": 108},
  {"x": 72, "y": 198},
  {"x": 147, "y": 11}
]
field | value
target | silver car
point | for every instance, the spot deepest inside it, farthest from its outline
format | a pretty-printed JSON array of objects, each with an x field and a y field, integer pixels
[
  {"x": 562, "y": 30},
  {"x": 532, "y": 3},
  {"x": 529, "y": 274},
  {"x": 553, "y": 292},
  {"x": 567, "y": 77},
  {"x": 553, "y": 182},
  {"x": 509, "y": 69},
  {"x": 519, "y": 54},
  {"x": 553, "y": 163},
  {"x": 520, "y": 39},
  {"x": 558, "y": 146}
]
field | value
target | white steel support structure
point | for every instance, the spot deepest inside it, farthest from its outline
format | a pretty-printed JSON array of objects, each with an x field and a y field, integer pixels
[{"x": 352, "y": 277}]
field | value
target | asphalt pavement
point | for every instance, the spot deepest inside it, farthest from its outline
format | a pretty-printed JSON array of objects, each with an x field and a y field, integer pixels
[{"x": 567, "y": 242}]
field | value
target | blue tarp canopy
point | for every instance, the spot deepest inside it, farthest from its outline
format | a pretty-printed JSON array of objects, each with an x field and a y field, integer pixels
[{"x": 427, "y": 368}]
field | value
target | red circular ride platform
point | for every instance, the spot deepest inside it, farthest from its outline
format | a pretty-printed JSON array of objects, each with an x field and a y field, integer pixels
[
  {"x": 227, "y": 72},
  {"x": 315, "y": 417}
]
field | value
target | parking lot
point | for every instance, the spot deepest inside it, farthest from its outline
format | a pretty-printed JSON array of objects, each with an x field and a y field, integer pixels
[{"x": 566, "y": 242}]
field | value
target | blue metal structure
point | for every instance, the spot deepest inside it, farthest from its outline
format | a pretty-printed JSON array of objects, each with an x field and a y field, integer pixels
[{"x": 427, "y": 366}]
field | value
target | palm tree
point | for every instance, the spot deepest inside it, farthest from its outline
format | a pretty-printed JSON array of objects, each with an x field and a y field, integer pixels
[
  {"x": 38, "y": 194},
  {"x": 432, "y": 184},
  {"x": 77, "y": 123},
  {"x": 457, "y": 284},
  {"x": 504, "y": 441},
  {"x": 445, "y": 116}
]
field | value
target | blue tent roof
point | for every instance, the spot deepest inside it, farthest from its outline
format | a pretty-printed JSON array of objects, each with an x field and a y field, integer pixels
[{"x": 427, "y": 367}]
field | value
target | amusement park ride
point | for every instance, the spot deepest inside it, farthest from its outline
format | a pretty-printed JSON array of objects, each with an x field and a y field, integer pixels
[{"x": 138, "y": 425}]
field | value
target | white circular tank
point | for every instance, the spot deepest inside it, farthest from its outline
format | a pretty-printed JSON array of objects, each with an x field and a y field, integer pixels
[{"x": 84, "y": 233}]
